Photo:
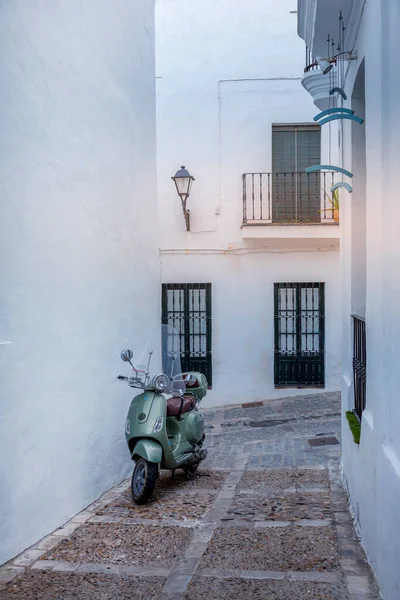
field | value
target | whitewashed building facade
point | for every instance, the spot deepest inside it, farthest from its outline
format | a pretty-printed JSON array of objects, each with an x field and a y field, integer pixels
[
  {"x": 230, "y": 108},
  {"x": 370, "y": 256},
  {"x": 79, "y": 260}
]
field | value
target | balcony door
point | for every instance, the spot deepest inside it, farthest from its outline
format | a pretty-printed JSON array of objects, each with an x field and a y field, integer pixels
[{"x": 296, "y": 195}]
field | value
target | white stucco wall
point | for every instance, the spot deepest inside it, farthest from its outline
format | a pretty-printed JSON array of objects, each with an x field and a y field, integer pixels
[
  {"x": 225, "y": 74},
  {"x": 243, "y": 316},
  {"x": 79, "y": 261},
  {"x": 372, "y": 469}
]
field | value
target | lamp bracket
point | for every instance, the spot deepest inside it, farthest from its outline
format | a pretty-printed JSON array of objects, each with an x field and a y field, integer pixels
[{"x": 186, "y": 214}]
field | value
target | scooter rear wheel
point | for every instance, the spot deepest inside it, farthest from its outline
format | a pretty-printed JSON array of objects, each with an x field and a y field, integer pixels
[{"x": 144, "y": 478}]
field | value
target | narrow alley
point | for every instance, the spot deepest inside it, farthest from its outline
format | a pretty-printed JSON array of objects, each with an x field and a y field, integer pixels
[{"x": 266, "y": 517}]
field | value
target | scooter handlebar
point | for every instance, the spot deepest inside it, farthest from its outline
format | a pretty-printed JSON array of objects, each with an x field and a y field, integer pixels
[{"x": 122, "y": 378}]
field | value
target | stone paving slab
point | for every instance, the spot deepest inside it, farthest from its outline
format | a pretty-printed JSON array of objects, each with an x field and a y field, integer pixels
[
  {"x": 284, "y": 507},
  {"x": 290, "y": 459},
  {"x": 221, "y": 460},
  {"x": 233, "y": 522},
  {"x": 315, "y": 576},
  {"x": 48, "y": 585},
  {"x": 123, "y": 544},
  {"x": 277, "y": 549},
  {"x": 247, "y": 589},
  {"x": 9, "y": 572},
  {"x": 284, "y": 478},
  {"x": 190, "y": 523},
  {"x": 164, "y": 505},
  {"x": 108, "y": 569},
  {"x": 307, "y": 403},
  {"x": 174, "y": 498},
  {"x": 203, "y": 479}
]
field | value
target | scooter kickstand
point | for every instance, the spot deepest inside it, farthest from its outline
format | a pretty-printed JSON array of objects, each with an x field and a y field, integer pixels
[
  {"x": 189, "y": 476},
  {"x": 173, "y": 474}
]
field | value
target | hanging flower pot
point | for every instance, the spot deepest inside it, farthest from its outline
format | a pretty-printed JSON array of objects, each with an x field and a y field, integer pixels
[
  {"x": 334, "y": 202},
  {"x": 335, "y": 212}
]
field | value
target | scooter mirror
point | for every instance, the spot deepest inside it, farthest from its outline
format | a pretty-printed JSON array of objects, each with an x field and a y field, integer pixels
[{"x": 126, "y": 355}]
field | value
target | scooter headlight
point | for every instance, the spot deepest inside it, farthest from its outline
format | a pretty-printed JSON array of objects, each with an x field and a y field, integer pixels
[
  {"x": 158, "y": 425},
  {"x": 161, "y": 383}
]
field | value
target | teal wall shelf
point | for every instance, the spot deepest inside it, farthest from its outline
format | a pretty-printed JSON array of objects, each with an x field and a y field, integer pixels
[
  {"x": 339, "y": 91},
  {"x": 343, "y": 184},
  {"x": 342, "y": 116},
  {"x": 329, "y": 111},
  {"x": 328, "y": 168}
]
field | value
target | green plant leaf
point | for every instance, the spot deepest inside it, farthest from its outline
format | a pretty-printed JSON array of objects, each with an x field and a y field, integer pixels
[{"x": 355, "y": 426}]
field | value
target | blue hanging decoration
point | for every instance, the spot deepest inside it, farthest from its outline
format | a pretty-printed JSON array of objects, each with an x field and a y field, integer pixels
[
  {"x": 341, "y": 116},
  {"x": 329, "y": 111},
  {"x": 340, "y": 184},
  {"x": 328, "y": 168},
  {"x": 339, "y": 91}
]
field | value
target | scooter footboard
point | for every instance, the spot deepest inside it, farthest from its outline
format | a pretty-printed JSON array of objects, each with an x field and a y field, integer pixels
[{"x": 149, "y": 450}]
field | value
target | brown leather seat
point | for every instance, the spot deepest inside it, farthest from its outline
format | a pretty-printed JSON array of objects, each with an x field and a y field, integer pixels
[{"x": 174, "y": 405}]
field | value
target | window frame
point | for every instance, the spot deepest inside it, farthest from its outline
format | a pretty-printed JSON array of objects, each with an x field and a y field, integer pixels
[{"x": 192, "y": 360}]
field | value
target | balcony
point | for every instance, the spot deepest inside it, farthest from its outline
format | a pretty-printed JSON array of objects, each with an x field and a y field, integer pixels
[
  {"x": 290, "y": 206},
  {"x": 319, "y": 85}
]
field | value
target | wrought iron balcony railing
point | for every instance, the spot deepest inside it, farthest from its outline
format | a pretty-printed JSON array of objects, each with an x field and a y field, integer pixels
[
  {"x": 288, "y": 198},
  {"x": 310, "y": 65}
]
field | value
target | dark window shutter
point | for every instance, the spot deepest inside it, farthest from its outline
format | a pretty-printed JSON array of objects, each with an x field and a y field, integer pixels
[{"x": 296, "y": 195}]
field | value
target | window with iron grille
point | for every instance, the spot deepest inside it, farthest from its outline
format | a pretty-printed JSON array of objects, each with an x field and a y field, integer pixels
[
  {"x": 299, "y": 335},
  {"x": 187, "y": 308},
  {"x": 359, "y": 366},
  {"x": 296, "y": 198}
]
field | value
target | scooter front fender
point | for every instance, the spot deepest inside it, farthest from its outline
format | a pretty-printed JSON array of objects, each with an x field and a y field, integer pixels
[{"x": 149, "y": 450}]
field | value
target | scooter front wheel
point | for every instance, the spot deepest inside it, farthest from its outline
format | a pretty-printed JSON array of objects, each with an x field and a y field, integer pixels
[{"x": 144, "y": 479}]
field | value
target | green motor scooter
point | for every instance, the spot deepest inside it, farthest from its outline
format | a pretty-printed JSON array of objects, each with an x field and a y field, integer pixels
[{"x": 164, "y": 428}]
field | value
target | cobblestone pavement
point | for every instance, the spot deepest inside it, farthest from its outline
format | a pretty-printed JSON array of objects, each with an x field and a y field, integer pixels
[{"x": 266, "y": 518}]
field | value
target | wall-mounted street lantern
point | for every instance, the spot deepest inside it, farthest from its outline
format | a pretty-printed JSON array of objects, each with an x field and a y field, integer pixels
[
  {"x": 326, "y": 64},
  {"x": 183, "y": 181}
]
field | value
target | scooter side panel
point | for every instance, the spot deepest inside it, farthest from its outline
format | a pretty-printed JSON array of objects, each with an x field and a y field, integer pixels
[
  {"x": 172, "y": 440},
  {"x": 194, "y": 427},
  {"x": 142, "y": 405},
  {"x": 191, "y": 427},
  {"x": 143, "y": 413}
]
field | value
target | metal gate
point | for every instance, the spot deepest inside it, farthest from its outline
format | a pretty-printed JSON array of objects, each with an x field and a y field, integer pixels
[
  {"x": 299, "y": 335},
  {"x": 187, "y": 308}
]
